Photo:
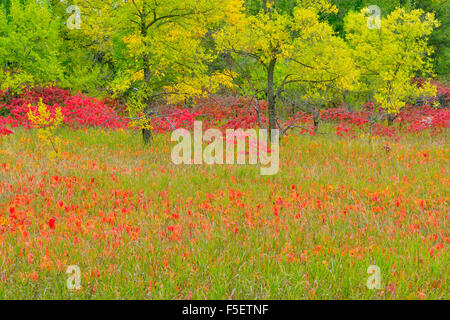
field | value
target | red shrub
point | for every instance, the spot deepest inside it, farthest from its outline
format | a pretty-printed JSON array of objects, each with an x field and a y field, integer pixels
[{"x": 214, "y": 112}]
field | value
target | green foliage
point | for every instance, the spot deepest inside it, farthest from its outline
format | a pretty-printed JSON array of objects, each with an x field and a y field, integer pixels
[
  {"x": 347, "y": 6},
  {"x": 29, "y": 45},
  {"x": 15, "y": 81},
  {"x": 160, "y": 51},
  {"x": 390, "y": 56},
  {"x": 294, "y": 49},
  {"x": 440, "y": 38},
  {"x": 176, "y": 50},
  {"x": 84, "y": 73}
]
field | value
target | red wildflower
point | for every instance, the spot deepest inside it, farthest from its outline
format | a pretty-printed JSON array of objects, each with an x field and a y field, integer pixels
[
  {"x": 5, "y": 132},
  {"x": 51, "y": 223}
]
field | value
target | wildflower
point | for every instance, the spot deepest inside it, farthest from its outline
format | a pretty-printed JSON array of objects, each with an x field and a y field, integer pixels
[
  {"x": 51, "y": 223},
  {"x": 34, "y": 276}
]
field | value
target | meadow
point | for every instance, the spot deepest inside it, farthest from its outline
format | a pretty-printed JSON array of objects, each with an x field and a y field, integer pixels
[
  {"x": 140, "y": 227},
  {"x": 93, "y": 202}
]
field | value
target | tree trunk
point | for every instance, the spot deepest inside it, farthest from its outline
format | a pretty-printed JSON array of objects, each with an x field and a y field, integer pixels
[
  {"x": 146, "y": 133},
  {"x": 390, "y": 119},
  {"x": 271, "y": 99},
  {"x": 316, "y": 118}
]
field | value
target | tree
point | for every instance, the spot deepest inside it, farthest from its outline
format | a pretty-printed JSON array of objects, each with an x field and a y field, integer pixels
[
  {"x": 158, "y": 49},
  {"x": 389, "y": 57},
  {"x": 439, "y": 39},
  {"x": 293, "y": 47},
  {"x": 347, "y": 6},
  {"x": 29, "y": 45}
]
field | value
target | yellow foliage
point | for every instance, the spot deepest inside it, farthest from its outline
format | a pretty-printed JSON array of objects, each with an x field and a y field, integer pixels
[
  {"x": 162, "y": 43},
  {"x": 305, "y": 49},
  {"x": 46, "y": 125},
  {"x": 14, "y": 81},
  {"x": 390, "y": 56}
]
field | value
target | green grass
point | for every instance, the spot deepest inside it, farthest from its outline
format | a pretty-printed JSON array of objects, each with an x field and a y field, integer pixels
[{"x": 354, "y": 205}]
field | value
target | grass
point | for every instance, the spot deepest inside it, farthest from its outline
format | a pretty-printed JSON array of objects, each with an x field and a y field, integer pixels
[{"x": 140, "y": 227}]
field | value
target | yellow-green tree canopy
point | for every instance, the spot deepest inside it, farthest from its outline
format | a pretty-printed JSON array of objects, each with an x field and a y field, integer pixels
[
  {"x": 389, "y": 56},
  {"x": 29, "y": 45},
  {"x": 297, "y": 45},
  {"x": 158, "y": 49},
  {"x": 158, "y": 45}
]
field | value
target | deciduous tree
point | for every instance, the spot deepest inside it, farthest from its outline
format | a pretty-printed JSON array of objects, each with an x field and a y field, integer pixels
[
  {"x": 293, "y": 46},
  {"x": 29, "y": 45},
  {"x": 158, "y": 49},
  {"x": 390, "y": 56}
]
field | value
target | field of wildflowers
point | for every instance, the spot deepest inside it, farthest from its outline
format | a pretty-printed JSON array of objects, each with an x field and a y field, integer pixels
[{"x": 139, "y": 227}]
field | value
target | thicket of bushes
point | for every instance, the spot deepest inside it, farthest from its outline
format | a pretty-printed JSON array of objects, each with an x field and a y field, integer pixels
[{"x": 298, "y": 56}]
